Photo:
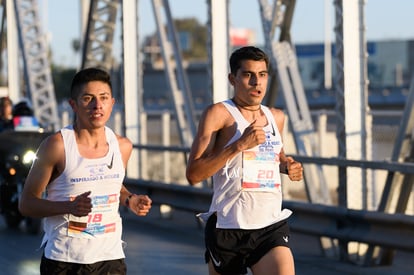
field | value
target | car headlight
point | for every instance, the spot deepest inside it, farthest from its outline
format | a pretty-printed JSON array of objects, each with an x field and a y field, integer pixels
[{"x": 29, "y": 157}]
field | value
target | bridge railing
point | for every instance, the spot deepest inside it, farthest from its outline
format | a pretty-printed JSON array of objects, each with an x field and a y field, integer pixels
[
  {"x": 387, "y": 230},
  {"x": 393, "y": 231}
]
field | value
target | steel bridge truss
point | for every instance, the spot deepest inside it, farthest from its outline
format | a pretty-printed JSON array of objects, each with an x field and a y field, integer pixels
[
  {"x": 276, "y": 18},
  {"x": 99, "y": 36},
  {"x": 37, "y": 72}
]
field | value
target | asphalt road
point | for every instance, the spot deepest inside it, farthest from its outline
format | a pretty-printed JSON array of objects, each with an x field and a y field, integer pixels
[{"x": 174, "y": 246}]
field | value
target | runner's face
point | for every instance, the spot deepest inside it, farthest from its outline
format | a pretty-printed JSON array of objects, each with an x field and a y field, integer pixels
[
  {"x": 7, "y": 110},
  {"x": 93, "y": 106},
  {"x": 250, "y": 82}
]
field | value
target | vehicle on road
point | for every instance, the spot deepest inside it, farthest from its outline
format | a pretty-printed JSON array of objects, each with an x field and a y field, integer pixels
[{"x": 17, "y": 151}]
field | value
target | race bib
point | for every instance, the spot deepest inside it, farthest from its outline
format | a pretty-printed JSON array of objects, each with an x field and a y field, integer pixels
[
  {"x": 102, "y": 219},
  {"x": 260, "y": 171}
]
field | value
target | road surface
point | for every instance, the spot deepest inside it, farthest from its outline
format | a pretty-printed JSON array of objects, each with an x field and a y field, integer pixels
[{"x": 174, "y": 246}]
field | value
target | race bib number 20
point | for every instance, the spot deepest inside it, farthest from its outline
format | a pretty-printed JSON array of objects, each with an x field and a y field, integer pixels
[{"x": 260, "y": 171}]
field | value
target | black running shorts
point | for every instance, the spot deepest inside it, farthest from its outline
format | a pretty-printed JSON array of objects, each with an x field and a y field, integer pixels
[
  {"x": 112, "y": 267},
  {"x": 232, "y": 251}
]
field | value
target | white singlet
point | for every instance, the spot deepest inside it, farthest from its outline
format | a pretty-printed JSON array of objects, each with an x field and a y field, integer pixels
[
  {"x": 97, "y": 237},
  {"x": 248, "y": 189}
]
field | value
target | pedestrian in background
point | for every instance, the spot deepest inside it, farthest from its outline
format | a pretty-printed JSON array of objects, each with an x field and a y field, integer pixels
[{"x": 6, "y": 114}]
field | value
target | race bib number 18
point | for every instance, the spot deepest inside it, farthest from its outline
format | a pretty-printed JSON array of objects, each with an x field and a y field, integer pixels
[{"x": 102, "y": 219}]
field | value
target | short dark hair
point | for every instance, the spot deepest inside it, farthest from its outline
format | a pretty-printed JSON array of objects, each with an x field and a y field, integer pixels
[
  {"x": 87, "y": 75},
  {"x": 5, "y": 100},
  {"x": 246, "y": 53}
]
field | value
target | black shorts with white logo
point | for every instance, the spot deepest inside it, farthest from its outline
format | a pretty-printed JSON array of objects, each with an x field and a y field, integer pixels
[{"x": 232, "y": 251}]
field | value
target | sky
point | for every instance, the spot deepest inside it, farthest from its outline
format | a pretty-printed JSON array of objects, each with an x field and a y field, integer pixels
[{"x": 384, "y": 20}]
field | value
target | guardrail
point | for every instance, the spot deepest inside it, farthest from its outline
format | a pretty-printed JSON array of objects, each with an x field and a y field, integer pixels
[
  {"x": 376, "y": 229},
  {"x": 393, "y": 231},
  {"x": 403, "y": 167}
]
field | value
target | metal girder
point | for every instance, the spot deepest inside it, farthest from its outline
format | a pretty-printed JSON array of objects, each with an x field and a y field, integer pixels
[
  {"x": 277, "y": 18},
  {"x": 97, "y": 46},
  {"x": 13, "y": 73},
  {"x": 132, "y": 85},
  {"x": 340, "y": 102},
  {"x": 398, "y": 187},
  {"x": 37, "y": 71},
  {"x": 351, "y": 86},
  {"x": 175, "y": 73},
  {"x": 218, "y": 49},
  {"x": 403, "y": 151}
]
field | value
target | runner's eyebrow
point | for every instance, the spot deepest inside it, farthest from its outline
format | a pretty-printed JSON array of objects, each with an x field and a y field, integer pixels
[{"x": 251, "y": 72}]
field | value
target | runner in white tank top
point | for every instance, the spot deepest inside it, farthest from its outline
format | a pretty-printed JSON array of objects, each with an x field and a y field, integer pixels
[
  {"x": 238, "y": 143},
  {"x": 102, "y": 228},
  {"x": 248, "y": 189},
  {"x": 81, "y": 169}
]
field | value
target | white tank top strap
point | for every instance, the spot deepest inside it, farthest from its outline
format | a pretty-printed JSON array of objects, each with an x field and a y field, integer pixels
[{"x": 232, "y": 108}]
